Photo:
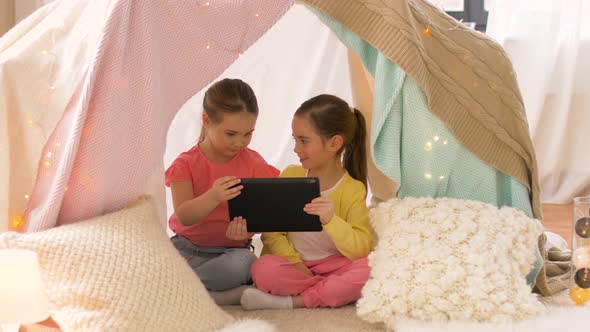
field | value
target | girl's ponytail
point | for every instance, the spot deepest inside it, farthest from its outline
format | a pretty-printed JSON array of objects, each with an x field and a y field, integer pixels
[
  {"x": 331, "y": 116},
  {"x": 355, "y": 153}
]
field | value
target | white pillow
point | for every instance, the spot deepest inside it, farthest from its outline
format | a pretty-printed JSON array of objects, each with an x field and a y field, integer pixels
[
  {"x": 119, "y": 272},
  {"x": 450, "y": 259}
]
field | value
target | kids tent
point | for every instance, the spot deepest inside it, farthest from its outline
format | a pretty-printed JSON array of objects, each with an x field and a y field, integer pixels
[{"x": 90, "y": 90}]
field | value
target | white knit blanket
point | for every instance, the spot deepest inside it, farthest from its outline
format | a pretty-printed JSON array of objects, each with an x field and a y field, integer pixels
[{"x": 450, "y": 260}]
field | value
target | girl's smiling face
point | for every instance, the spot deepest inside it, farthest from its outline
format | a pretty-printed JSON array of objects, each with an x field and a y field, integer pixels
[{"x": 309, "y": 146}]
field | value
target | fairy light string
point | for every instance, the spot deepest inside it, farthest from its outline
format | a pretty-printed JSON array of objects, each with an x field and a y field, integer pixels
[{"x": 17, "y": 221}]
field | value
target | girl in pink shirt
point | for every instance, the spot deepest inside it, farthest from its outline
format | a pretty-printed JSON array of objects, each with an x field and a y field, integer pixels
[{"x": 203, "y": 179}]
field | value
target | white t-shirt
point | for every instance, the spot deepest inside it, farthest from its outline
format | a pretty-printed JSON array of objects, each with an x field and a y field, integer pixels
[{"x": 314, "y": 245}]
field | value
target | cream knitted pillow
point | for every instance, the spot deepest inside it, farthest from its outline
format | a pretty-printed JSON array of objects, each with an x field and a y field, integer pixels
[
  {"x": 450, "y": 259},
  {"x": 119, "y": 272}
]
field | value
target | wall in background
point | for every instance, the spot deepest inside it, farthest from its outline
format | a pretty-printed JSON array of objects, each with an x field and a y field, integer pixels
[
  {"x": 6, "y": 15},
  {"x": 14, "y": 11},
  {"x": 24, "y": 8},
  {"x": 470, "y": 11}
]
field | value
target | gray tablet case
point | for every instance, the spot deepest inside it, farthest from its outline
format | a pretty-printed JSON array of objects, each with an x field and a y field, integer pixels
[{"x": 276, "y": 204}]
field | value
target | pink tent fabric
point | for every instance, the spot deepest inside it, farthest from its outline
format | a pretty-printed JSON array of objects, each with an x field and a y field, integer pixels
[{"x": 152, "y": 57}]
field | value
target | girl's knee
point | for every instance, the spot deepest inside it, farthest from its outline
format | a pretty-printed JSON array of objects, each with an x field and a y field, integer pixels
[
  {"x": 265, "y": 268},
  {"x": 266, "y": 263},
  {"x": 230, "y": 270},
  {"x": 246, "y": 257},
  {"x": 241, "y": 262}
]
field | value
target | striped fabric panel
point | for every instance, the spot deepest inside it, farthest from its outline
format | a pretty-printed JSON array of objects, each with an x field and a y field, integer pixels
[{"x": 152, "y": 57}]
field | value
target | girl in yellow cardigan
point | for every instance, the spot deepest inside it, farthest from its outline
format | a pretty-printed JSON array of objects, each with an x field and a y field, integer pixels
[{"x": 327, "y": 268}]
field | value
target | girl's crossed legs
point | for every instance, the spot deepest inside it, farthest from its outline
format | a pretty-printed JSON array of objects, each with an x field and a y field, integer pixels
[
  {"x": 225, "y": 272},
  {"x": 337, "y": 281}
]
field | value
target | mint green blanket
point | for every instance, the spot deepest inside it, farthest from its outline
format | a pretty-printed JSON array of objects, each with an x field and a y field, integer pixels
[{"x": 417, "y": 150}]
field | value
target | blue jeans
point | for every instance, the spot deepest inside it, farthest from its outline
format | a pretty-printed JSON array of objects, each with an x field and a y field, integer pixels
[{"x": 219, "y": 268}]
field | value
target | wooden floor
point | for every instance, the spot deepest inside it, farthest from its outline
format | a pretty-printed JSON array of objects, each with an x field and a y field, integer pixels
[{"x": 557, "y": 218}]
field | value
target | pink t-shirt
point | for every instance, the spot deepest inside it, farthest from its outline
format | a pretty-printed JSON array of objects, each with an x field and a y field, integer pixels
[{"x": 195, "y": 167}]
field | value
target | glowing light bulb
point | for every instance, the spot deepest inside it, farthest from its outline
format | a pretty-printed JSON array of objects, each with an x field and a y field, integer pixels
[
  {"x": 428, "y": 146},
  {"x": 582, "y": 227},
  {"x": 427, "y": 176},
  {"x": 582, "y": 278},
  {"x": 17, "y": 221},
  {"x": 581, "y": 257},
  {"x": 579, "y": 295},
  {"x": 47, "y": 164},
  {"x": 445, "y": 142},
  {"x": 27, "y": 196},
  {"x": 436, "y": 138},
  {"x": 49, "y": 154},
  {"x": 427, "y": 31},
  {"x": 441, "y": 178}
]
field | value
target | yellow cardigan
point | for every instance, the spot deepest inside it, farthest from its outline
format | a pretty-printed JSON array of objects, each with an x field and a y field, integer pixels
[{"x": 349, "y": 228}]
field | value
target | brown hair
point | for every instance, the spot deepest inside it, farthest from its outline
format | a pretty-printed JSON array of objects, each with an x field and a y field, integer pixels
[
  {"x": 331, "y": 116},
  {"x": 228, "y": 96}
]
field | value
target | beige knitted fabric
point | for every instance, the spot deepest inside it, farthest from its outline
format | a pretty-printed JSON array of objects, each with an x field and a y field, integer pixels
[
  {"x": 557, "y": 271},
  {"x": 119, "y": 272},
  {"x": 467, "y": 77}
]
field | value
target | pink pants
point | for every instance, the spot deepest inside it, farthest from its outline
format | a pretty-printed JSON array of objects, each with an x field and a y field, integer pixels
[{"x": 337, "y": 280}]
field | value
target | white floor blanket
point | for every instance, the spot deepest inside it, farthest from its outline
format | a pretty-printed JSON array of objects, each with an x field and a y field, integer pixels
[{"x": 562, "y": 315}]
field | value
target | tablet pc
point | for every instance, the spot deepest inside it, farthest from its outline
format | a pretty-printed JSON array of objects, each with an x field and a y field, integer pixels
[{"x": 276, "y": 204}]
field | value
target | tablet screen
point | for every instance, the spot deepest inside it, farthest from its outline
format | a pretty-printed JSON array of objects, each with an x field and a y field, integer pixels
[{"x": 276, "y": 204}]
